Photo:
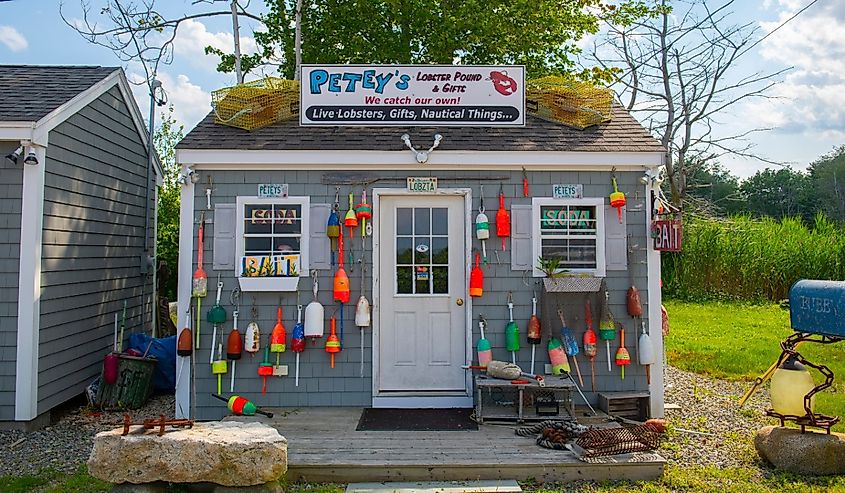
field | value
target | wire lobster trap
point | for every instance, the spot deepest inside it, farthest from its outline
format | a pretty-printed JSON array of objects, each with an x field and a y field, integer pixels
[
  {"x": 614, "y": 441},
  {"x": 563, "y": 100},
  {"x": 256, "y": 104}
]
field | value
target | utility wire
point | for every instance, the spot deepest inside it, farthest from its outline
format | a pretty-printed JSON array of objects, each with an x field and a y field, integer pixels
[{"x": 796, "y": 14}]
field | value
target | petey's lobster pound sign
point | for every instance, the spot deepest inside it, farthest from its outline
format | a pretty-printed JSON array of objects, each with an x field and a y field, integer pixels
[{"x": 468, "y": 95}]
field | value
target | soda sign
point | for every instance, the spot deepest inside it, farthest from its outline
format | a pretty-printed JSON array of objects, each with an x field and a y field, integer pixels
[{"x": 667, "y": 235}]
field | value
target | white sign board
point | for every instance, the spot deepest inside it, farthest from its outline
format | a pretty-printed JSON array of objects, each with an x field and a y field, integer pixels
[
  {"x": 273, "y": 190},
  {"x": 568, "y": 191},
  {"x": 426, "y": 184},
  {"x": 413, "y": 95}
]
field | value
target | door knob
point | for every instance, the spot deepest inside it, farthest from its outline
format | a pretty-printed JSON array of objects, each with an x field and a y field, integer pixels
[{"x": 460, "y": 302}]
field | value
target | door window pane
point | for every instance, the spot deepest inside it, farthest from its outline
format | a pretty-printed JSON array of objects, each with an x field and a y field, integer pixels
[
  {"x": 404, "y": 221},
  {"x": 422, "y": 221},
  {"x": 403, "y": 280},
  {"x": 439, "y": 221},
  {"x": 422, "y": 250},
  {"x": 440, "y": 280}
]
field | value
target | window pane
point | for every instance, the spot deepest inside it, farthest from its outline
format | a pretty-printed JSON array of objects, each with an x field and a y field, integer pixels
[
  {"x": 285, "y": 244},
  {"x": 422, "y": 278},
  {"x": 568, "y": 219},
  {"x": 573, "y": 254},
  {"x": 403, "y": 280},
  {"x": 440, "y": 280},
  {"x": 422, "y": 250},
  {"x": 258, "y": 246},
  {"x": 404, "y": 247},
  {"x": 259, "y": 223},
  {"x": 287, "y": 219},
  {"x": 422, "y": 221},
  {"x": 404, "y": 221},
  {"x": 440, "y": 251},
  {"x": 439, "y": 221}
]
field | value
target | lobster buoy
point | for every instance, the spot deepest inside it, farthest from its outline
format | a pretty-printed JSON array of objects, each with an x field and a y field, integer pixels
[
  {"x": 332, "y": 342},
  {"x": 503, "y": 219},
  {"x": 617, "y": 198},
  {"x": 350, "y": 221},
  {"x": 363, "y": 211},
  {"x": 476, "y": 279},
  {"x": 314, "y": 315}
]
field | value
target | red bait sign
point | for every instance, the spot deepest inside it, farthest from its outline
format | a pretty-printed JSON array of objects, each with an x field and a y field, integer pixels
[
  {"x": 667, "y": 235},
  {"x": 413, "y": 95}
]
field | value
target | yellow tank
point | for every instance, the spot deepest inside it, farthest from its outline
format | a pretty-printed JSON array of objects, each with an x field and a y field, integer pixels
[{"x": 790, "y": 383}]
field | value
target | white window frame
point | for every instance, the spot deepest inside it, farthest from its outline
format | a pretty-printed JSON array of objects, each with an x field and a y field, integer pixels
[
  {"x": 273, "y": 283},
  {"x": 601, "y": 232}
]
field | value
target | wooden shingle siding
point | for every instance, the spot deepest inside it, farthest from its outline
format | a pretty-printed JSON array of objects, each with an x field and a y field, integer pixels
[
  {"x": 92, "y": 244},
  {"x": 11, "y": 188}
]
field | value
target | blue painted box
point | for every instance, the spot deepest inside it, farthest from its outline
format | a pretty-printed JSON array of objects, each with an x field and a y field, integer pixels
[{"x": 818, "y": 307}]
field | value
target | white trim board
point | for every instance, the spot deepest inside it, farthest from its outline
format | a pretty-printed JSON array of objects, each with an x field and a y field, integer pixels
[
  {"x": 397, "y": 160},
  {"x": 655, "y": 319},
  {"x": 183, "y": 297},
  {"x": 29, "y": 289}
]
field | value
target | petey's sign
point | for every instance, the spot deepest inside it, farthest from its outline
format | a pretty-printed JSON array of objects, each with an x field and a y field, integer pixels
[
  {"x": 413, "y": 95},
  {"x": 667, "y": 235}
]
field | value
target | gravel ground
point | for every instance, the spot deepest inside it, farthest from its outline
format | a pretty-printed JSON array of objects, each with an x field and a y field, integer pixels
[
  {"x": 710, "y": 406},
  {"x": 707, "y": 406},
  {"x": 67, "y": 443}
]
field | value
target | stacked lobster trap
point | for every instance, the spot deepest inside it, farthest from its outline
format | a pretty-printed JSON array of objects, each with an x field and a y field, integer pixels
[{"x": 256, "y": 104}]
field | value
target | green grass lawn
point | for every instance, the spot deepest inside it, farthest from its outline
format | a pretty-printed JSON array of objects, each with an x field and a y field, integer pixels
[{"x": 738, "y": 341}]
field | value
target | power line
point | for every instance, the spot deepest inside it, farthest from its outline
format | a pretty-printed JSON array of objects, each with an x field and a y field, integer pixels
[{"x": 796, "y": 14}]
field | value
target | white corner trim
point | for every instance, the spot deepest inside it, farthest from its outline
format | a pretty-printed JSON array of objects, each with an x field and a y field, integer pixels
[
  {"x": 394, "y": 160},
  {"x": 29, "y": 289},
  {"x": 655, "y": 319},
  {"x": 186, "y": 255}
]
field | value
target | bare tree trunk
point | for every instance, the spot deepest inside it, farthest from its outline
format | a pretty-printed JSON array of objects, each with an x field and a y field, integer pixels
[
  {"x": 236, "y": 33},
  {"x": 297, "y": 40}
]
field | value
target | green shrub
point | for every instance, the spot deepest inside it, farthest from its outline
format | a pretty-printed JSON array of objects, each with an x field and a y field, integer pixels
[{"x": 752, "y": 259}]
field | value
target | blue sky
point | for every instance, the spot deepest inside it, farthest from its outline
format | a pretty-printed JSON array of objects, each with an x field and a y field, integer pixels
[{"x": 808, "y": 117}]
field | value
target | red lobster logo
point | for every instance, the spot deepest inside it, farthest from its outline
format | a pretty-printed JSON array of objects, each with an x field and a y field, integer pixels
[{"x": 502, "y": 83}]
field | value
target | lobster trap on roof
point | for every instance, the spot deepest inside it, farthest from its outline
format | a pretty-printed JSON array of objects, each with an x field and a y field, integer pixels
[
  {"x": 256, "y": 104},
  {"x": 563, "y": 100}
]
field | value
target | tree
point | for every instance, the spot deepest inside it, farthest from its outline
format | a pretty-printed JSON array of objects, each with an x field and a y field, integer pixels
[
  {"x": 541, "y": 34},
  {"x": 167, "y": 135},
  {"x": 779, "y": 193},
  {"x": 679, "y": 75},
  {"x": 713, "y": 189},
  {"x": 827, "y": 175}
]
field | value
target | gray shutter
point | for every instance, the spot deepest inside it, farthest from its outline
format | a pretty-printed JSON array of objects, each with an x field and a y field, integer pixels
[
  {"x": 521, "y": 248},
  {"x": 319, "y": 253},
  {"x": 223, "y": 251},
  {"x": 615, "y": 239}
]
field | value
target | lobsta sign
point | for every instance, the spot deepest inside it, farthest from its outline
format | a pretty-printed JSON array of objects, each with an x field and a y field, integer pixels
[{"x": 413, "y": 95}]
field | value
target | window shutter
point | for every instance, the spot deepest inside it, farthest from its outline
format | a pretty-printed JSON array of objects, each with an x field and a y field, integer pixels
[
  {"x": 521, "y": 248},
  {"x": 615, "y": 239},
  {"x": 223, "y": 251},
  {"x": 319, "y": 254}
]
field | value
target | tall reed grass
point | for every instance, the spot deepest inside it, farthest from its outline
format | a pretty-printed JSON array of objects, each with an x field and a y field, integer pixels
[{"x": 752, "y": 259}]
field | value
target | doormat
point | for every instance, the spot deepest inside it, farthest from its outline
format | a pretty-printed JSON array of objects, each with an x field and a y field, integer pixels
[{"x": 416, "y": 420}]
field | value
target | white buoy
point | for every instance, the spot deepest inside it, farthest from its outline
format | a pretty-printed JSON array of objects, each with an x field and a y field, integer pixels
[
  {"x": 646, "y": 354},
  {"x": 314, "y": 315},
  {"x": 362, "y": 317}
]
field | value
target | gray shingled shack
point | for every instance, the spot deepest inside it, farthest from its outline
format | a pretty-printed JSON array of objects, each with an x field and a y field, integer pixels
[
  {"x": 425, "y": 324},
  {"x": 73, "y": 185}
]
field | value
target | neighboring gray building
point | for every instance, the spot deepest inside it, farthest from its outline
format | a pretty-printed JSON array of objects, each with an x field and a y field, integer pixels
[
  {"x": 418, "y": 340},
  {"x": 73, "y": 185}
]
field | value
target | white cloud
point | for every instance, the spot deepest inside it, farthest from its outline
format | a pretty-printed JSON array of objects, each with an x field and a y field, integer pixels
[
  {"x": 193, "y": 37},
  {"x": 13, "y": 39},
  {"x": 811, "y": 99},
  {"x": 190, "y": 102}
]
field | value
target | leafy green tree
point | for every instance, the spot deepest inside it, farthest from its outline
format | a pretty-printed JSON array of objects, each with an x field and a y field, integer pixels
[
  {"x": 167, "y": 135},
  {"x": 779, "y": 193},
  {"x": 828, "y": 179},
  {"x": 713, "y": 187},
  {"x": 540, "y": 34}
]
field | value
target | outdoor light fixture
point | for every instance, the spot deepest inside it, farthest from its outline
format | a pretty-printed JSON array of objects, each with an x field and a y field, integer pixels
[
  {"x": 189, "y": 174},
  {"x": 31, "y": 159},
  {"x": 422, "y": 156},
  {"x": 13, "y": 157}
]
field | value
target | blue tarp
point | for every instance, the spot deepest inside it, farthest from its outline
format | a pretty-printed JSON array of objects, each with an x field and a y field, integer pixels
[{"x": 164, "y": 350}]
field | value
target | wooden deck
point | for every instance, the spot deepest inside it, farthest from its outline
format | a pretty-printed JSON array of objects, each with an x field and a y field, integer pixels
[{"x": 323, "y": 446}]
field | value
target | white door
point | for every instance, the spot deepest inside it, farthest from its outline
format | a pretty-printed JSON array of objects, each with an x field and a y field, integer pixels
[{"x": 422, "y": 286}]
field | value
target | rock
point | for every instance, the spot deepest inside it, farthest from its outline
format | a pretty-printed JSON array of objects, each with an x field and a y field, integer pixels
[
  {"x": 225, "y": 453},
  {"x": 812, "y": 453}
]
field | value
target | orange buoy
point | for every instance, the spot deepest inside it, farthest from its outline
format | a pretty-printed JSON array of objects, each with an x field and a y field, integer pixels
[
  {"x": 476, "y": 279},
  {"x": 278, "y": 336},
  {"x": 617, "y": 198},
  {"x": 350, "y": 221},
  {"x": 332, "y": 342},
  {"x": 503, "y": 219},
  {"x": 341, "y": 280}
]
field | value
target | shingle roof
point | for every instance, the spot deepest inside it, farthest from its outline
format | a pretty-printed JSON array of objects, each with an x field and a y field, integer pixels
[
  {"x": 622, "y": 134},
  {"x": 30, "y": 92}
]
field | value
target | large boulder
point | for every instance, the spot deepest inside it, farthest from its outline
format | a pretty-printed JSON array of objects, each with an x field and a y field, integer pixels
[
  {"x": 226, "y": 453},
  {"x": 802, "y": 453}
]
